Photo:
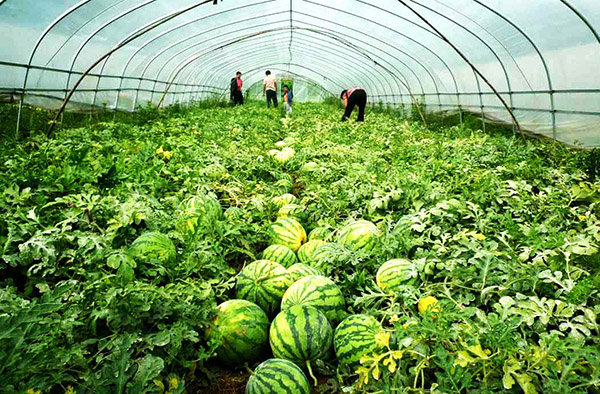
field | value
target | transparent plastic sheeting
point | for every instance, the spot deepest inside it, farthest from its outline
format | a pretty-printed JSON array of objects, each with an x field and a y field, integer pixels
[{"x": 543, "y": 56}]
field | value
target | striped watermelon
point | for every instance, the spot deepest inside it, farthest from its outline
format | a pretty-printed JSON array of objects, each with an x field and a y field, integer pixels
[
  {"x": 288, "y": 232},
  {"x": 359, "y": 235},
  {"x": 280, "y": 254},
  {"x": 295, "y": 211},
  {"x": 242, "y": 328},
  {"x": 284, "y": 199},
  {"x": 154, "y": 246},
  {"x": 306, "y": 251},
  {"x": 263, "y": 282},
  {"x": 301, "y": 334},
  {"x": 325, "y": 254},
  {"x": 395, "y": 273},
  {"x": 203, "y": 207},
  {"x": 319, "y": 292},
  {"x": 322, "y": 233},
  {"x": 300, "y": 270},
  {"x": 284, "y": 185},
  {"x": 355, "y": 337},
  {"x": 277, "y": 375}
]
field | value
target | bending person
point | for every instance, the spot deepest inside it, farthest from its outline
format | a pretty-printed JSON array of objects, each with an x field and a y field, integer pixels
[{"x": 354, "y": 97}]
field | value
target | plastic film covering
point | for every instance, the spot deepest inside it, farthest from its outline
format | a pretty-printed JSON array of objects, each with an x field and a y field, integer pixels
[{"x": 541, "y": 56}]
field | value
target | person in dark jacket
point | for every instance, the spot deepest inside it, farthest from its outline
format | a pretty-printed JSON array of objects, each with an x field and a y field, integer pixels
[
  {"x": 354, "y": 97},
  {"x": 236, "y": 89}
]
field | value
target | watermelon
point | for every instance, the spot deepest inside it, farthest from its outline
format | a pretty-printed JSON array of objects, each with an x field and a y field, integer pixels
[
  {"x": 395, "y": 273},
  {"x": 280, "y": 254},
  {"x": 355, "y": 337},
  {"x": 306, "y": 251},
  {"x": 300, "y": 270},
  {"x": 155, "y": 247},
  {"x": 234, "y": 213},
  {"x": 263, "y": 282},
  {"x": 324, "y": 254},
  {"x": 322, "y": 233},
  {"x": 319, "y": 292},
  {"x": 285, "y": 185},
  {"x": 301, "y": 334},
  {"x": 359, "y": 235},
  {"x": 288, "y": 232},
  {"x": 284, "y": 199},
  {"x": 242, "y": 327},
  {"x": 277, "y": 375},
  {"x": 204, "y": 207},
  {"x": 295, "y": 211}
]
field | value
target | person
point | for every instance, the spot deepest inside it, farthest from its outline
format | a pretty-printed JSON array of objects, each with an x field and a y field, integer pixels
[
  {"x": 354, "y": 97},
  {"x": 236, "y": 89},
  {"x": 287, "y": 99},
  {"x": 270, "y": 89}
]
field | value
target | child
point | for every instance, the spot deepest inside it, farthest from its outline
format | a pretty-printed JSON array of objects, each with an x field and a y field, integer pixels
[{"x": 287, "y": 99}]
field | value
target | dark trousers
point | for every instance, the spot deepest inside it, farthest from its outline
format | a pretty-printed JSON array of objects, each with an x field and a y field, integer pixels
[
  {"x": 238, "y": 98},
  {"x": 358, "y": 98},
  {"x": 271, "y": 97}
]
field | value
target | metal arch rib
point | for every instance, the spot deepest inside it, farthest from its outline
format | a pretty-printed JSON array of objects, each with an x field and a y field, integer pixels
[
  {"x": 583, "y": 19},
  {"x": 35, "y": 48},
  {"x": 535, "y": 47},
  {"x": 304, "y": 51},
  {"x": 98, "y": 30},
  {"x": 397, "y": 32}
]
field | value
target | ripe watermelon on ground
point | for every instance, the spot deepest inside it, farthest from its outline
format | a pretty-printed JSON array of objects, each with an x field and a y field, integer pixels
[
  {"x": 263, "y": 282},
  {"x": 154, "y": 246},
  {"x": 300, "y": 270},
  {"x": 306, "y": 251},
  {"x": 324, "y": 254},
  {"x": 359, "y": 235},
  {"x": 295, "y": 211},
  {"x": 284, "y": 199},
  {"x": 394, "y": 273},
  {"x": 199, "y": 207},
  {"x": 280, "y": 254},
  {"x": 319, "y": 292},
  {"x": 355, "y": 337},
  {"x": 288, "y": 232},
  {"x": 242, "y": 327},
  {"x": 277, "y": 375},
  {"x": 321, "y": 233},
  {"x": 301, "y": 334}
]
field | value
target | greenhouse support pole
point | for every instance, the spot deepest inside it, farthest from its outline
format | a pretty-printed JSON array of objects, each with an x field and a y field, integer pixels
[{"x": 475, "y": 69}]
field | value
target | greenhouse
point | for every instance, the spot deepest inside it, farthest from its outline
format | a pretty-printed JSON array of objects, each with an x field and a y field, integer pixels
[{"x": 299, "y": 196}]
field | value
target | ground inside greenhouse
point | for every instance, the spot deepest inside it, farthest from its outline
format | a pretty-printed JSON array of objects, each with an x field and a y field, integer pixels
[{"x": 498, "y": 294}]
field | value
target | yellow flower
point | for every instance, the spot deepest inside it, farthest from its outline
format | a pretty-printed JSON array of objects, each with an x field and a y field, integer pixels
[
  {"x": 409, "y": 323},
  {"x": 582, "y": 217},
  {"x": 173, "y": 383},
  {"x": 32, "y": 391},
  {"x": 383, "y": 339},
  {"x": 428, "y": 304},
  {"x": 167, "y": 154},
  {"x": 394, "y": 319},
  {"x": 160, "y": 150}
]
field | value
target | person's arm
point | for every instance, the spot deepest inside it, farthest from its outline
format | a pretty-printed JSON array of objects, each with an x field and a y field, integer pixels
[
  {"x": 275, "y": 85},
  {"x": 264, "y": 86}
]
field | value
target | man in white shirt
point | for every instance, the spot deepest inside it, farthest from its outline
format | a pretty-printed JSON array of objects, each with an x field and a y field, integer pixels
[{"x": 270, "y": 89}]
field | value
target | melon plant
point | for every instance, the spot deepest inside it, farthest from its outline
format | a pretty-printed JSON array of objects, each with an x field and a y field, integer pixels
[
  {"x": 280, "y": 254},
  {"x": 288, "y": 232},
  {"x": 263, "y": 282},
  {"x": 284, "y": 199},
  {"x": 354, "y": 337},
  {"x": 242, "y": 327},
  {"x": 319, "y": 292},
  {"x": 233, "y": 213},
  {"x": 295, "y": 211},
  {"x": 394, "y": 273},
  {"x": 277, "y": 375},
  {"x": 300, "y": 270},
  {"x": 154, "y": 247},
  {"x": 324, "y": 254},
  {"x": 359, "y": 235},
  {"x": 319, "y": 233},
  {"x": 301, "y": 334},
  {"x": 306, "y": 251}
]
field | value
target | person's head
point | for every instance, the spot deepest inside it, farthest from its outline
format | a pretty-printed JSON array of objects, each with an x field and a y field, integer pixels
[
  {"x": 343, "y": 94},
  {"x": 268, "y": 72},
  {"x": 286, "y": 88},
  {"x": 238, "y": 74}
]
